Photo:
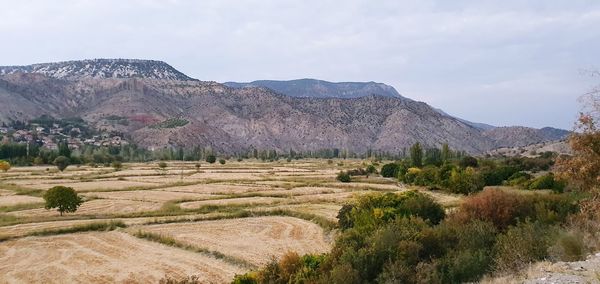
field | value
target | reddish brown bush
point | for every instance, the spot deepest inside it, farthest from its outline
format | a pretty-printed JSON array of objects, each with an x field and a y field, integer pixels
[{"x": 496, "y": 206}]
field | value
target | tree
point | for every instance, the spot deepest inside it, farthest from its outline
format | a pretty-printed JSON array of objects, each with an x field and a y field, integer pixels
[
  {"x": 344, "y": 177},
  {"x": 63, "y": 149},
  {"x": 65, "y": 199},
  {"x": 162, "y": 165},
  {"x": 4, "y": 166},
  {"x": 416, "y": 155},
  {"x": 222, "y": 161},
  {"x": 390, "y": 170},
  {"x": 433, "y": 156},
  {"x": 211, "y": 159},
  {"x": 62, "y": 162},
  {"x": 446, "y": 153}
]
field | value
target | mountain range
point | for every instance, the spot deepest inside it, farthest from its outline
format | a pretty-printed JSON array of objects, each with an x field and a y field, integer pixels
[{"x": 159, "y": 106}]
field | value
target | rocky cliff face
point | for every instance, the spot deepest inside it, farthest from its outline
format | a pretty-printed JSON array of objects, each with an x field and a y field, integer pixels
[{"x": 234, "y": 119}]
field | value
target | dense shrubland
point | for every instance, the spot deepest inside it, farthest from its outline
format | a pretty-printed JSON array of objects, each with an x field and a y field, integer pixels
[{"x": 407, "y": 238}]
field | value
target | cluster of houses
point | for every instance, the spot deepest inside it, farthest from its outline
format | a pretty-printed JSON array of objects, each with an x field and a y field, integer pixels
[{"x": 48, "y": 137}]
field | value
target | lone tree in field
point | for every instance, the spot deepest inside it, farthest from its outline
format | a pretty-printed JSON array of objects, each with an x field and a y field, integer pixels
[
  {"x": 4, "y": 166},
  {"x": 62, "y": 162},
  {"x": 63, "y": 198},
  {"x": 211, "y": 159}
]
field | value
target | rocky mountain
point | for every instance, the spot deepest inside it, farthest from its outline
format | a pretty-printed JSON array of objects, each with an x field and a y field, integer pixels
[
  {"x": 101, "y": 68},
  {"x": 519, "y": 136},
  {"x": 311, "y": 88},
  {"x": 157, "y": 111}
]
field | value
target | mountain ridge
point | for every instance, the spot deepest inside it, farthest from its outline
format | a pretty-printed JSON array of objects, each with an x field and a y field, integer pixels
[
  {"x": 101, "y": 68},
  {"x": 230, "y": 119}
]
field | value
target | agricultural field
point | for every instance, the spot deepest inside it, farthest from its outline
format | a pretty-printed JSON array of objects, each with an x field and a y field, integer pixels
[{"x": 213, "y": 222}]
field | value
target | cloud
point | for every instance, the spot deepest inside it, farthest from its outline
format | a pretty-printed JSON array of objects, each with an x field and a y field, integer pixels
[{"x": 508, "y": 62}]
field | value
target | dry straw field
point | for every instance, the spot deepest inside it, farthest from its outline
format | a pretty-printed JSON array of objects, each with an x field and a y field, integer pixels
[{"x": 141, "y": 223}]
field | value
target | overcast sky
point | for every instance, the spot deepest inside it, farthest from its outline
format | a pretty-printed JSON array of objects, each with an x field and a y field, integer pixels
[{"x": 498, "y": 62}]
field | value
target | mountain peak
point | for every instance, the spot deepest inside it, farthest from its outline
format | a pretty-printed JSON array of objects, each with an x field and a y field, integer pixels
[
  {"x": 313, "y": 88},
  {"x": 101, "y": 68}
]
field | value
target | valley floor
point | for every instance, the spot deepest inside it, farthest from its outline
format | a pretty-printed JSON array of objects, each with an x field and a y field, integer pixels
[{"x": 212, "y": 222}]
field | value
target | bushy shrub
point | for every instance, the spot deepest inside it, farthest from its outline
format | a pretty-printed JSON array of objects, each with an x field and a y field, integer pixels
[
  {"x": 162, "y": 165},
  {"x": 291, "y": 268},
  {"x": 504, "y": 209},
  {"x": 4, "y": 166},
  {"x": 211, "y": 159},
  {"x": 371, "y": 169},
  {"x": 411, "y": 175},
  {"x": 222, "y": 161},
  {"x": 521, "y": 245},
  {"x": 343, "y": 177},
  {"x": 465, "y": 181},
  {"x": 547, "y": 181},
  {"x": 390, "y": 170},
  {"x": 468, "y": 161}
]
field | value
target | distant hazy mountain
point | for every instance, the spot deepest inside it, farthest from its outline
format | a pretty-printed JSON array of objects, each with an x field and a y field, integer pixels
[
  {"x": 311, "y": 88},
  {"x": 518, "y": 136},
  {"x": 101, "y": 68},
  {"x": 305, "y": 115}
]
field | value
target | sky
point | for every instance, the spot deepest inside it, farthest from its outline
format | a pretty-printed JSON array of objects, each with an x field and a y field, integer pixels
[{"x": 510, "y": 62}]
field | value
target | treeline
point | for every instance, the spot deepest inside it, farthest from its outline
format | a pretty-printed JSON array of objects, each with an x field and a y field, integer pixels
[{"x": 436, "y": 169}]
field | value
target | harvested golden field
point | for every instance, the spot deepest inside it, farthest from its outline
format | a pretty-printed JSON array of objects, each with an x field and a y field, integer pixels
[
  {"x": 233, "y": 201},
  {"x": 149, "y": 195},
  {"x": 9, "y": 200},
  {"x": 243, "y": 212},
  {"x": 104, "y": 258},
  {"x": 255, "y": 240},
  {"x": 96, "y": 207}
]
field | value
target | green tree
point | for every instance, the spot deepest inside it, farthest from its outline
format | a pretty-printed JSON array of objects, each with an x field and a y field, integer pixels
[
  {"x": 63, "y": 149},
  {"x": 62, "y": 162},
  {"x": 65, "y": 199},
  {"x": 211, "y": 158},
  {"x": 416, "y": 155},
  {"x": 446, "y": 153}
]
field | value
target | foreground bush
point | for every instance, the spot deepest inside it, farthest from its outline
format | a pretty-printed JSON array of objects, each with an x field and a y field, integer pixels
[{"x": 504, "y": 209}]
